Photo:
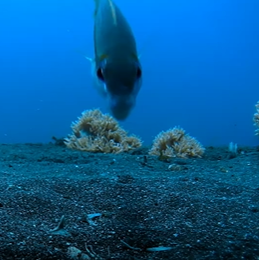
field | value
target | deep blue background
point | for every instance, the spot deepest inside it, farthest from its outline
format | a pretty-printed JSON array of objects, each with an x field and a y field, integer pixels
[{"x": 200, "y": 65}]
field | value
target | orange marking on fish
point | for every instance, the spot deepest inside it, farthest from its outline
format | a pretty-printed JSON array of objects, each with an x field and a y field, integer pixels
[{"x": 103, "y": 57}]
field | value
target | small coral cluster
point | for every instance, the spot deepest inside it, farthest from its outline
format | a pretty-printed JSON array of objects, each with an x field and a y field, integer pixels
[
  {"x": 97, "y": 132},
  {"x": 176, "y": 143},
  {"x": 256, "y": 118}
]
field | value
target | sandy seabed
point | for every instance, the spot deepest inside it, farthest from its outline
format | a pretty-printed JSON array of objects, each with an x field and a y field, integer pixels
[{"x": 61, "y": 204}]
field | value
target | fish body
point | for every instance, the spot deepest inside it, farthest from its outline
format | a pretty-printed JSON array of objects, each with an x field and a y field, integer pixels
[{"x": 116, "y": 68}]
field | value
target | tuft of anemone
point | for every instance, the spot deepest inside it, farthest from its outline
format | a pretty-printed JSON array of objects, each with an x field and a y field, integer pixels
[
  {"x": 98, "y": 132},
  {"x": 256, "y": 118},
  {"x": 176, "y": 143}
]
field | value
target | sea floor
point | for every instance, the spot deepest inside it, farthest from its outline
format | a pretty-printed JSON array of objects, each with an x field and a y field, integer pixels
[{"x": 61, "y": 204}]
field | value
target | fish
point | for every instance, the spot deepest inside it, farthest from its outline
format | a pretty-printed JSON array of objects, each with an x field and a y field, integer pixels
[{"x": 116, "y": 68}]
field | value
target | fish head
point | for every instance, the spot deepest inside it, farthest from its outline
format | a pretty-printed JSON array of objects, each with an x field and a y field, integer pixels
[{"x": 121, "y": 82}]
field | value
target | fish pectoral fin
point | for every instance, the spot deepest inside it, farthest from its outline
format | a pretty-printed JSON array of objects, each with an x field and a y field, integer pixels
[
  {"x": 90, "y": 59},
  {"x": 143, "y": 46},
  {"x": 136, "y": 56},
  {"x": 101, "y": 89},
  {"x": 83, "y": 54}
]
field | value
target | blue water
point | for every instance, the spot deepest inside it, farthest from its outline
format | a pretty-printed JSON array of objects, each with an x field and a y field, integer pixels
[{"x": 200, "y": 68}]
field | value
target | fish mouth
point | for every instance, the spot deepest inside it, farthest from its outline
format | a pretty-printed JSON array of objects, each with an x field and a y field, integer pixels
[{"x": 121, "y": 106}]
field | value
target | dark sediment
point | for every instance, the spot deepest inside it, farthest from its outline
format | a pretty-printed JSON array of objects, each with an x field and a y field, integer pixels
[{"x": 201, "y": 208}]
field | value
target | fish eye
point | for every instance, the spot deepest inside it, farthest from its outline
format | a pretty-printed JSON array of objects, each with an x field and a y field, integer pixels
[
  {"x": 139, "y": 73},
  {"x": 99, "y": 74}
]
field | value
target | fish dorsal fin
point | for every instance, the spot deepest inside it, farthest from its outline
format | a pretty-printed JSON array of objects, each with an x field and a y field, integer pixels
[
  {"x": 112, "y": 7},
  {"x": 97, "y": 3},
  {"x": 113, "y": 12}
]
